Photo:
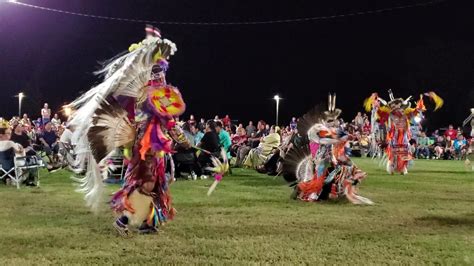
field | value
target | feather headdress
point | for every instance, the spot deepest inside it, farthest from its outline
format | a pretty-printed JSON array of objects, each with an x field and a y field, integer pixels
[
  {"x": 332, "y": 113},
  {"x": 99, "y": 120}
]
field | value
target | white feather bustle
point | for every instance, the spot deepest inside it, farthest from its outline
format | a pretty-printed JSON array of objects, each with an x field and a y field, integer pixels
[{"x": 126, "y": 75}]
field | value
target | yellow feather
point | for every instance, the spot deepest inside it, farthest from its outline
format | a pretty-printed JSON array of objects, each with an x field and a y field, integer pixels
[
  {"x": 384, "y": 109},
  {"x": 438, "y": 100},
  {"x": 369, "y": 102}
]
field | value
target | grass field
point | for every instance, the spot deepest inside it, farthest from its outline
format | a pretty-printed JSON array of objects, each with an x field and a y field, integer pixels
[{"x": 425, "y": 217}]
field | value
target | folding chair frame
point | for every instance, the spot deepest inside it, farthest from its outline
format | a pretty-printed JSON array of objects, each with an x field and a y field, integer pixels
[
  {"x": 22, "y": 170},
  {"x": 6, "y": 173}
]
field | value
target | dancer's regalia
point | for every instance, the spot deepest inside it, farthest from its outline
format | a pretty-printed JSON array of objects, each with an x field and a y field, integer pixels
[
  {"x": 320, "y": 169},
  {"x": 470, "y": 153},
  {"x": 132, "y": 109},
  {"x": 397, "y": 114}
]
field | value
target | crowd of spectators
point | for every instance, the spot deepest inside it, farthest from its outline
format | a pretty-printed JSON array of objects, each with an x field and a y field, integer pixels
[
  {"x": 444, "y": 143},
  {"x": 259, "y": 146},
  {"x": 27, "y": 137}
]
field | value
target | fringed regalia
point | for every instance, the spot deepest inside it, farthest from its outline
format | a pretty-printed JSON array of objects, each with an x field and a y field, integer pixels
[
  {"x": 133, "y": 109},
  {"x": 470, "y": 152},
  {"x": 320, "y": 169},
  {"x": 396, "y": 115}
]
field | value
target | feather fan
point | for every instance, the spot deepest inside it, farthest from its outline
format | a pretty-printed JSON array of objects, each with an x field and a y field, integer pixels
[
  {"x": 297, "y": 164},
  {"x": 110, "y": 129}
]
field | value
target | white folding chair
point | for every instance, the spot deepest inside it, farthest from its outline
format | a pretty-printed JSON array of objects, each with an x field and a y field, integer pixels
[
  {"x": 6, "y": 173},
  {"x": 26, "y": 165},
  {"x": 6, "y": 165}
]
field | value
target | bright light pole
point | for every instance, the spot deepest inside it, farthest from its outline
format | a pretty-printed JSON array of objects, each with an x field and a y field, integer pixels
[
  {"x": 20, "y": 96},
  {"x": 277, "y": 99}
]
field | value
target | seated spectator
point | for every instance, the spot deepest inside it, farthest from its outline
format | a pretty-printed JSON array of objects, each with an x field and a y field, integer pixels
[
  {"x": 257, "y": 156},
  {"x": 19, "y": 136},
  {"x": 192, "y": 121},
  {"x": 8, "y": 149},
  {"x": 209, "y": 146},
  {"x": 224, "y": 138},
  {"x": 438, "y": 147},
  {"x": 250, "y": 128},
  {"x": 56, "y": 121},
  {"x": 448, "y": 149},
  {"x": 358, "y": 121},
  {"x": 25, "y": 120},
  {"x": 229, "y": 130},
  {"x": 272, "y": 165},
  {"x": 198, "y": 134},
  {"x": 226, "y": 121},
  {"x": 238, "y": 140},
  {"x": 185, "y": 156},
  {"x": 252, "y": 142},
  {"x": 364, "y": 144},
  {"x": 451, "y": 132},
  {"x": 460, "y": 147},
  {"x": 201, "y": 125},
  {"x": 49, "y": 141},
  {"x": 366, "y": 127},
  {"x": 422, "y": 149},
  {"x": 293, "y": 123},
  {"x": 354, "y": 148},
  {"x": 267, "y": 130}
]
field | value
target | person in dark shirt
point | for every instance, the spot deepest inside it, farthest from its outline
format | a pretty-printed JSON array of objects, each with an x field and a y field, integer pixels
[
  {"x": 49, "y": 140},
  {"x": 19, "y": 136},
  {"x": 209, "y": 146},
  {"x": 255, "y": 139},
  {"x": 201, "y": 125}
]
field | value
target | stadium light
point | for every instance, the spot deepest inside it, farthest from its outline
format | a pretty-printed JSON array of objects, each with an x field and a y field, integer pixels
[
  {"x": 277, "y": 99},
  {"x": 20, "y": 96}
]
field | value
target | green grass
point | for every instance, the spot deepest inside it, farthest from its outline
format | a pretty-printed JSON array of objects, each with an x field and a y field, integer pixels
[{"x": 425, "y": 217}]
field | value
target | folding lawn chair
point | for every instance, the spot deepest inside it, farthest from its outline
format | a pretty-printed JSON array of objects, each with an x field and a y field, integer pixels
[
  {"x": 25, "y": 166},
  {"x": 7, "y": 165}
]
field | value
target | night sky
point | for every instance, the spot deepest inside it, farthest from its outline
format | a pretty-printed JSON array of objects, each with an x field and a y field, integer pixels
[{"x": 236, "y": 70}]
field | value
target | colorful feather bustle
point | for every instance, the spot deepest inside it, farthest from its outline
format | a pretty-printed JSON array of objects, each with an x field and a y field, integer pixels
[
  {"x": 369, "y": 102},
  {"x": 320, "y": 169},
  {"x": 120, "y": 112},
  {"x": 396, "y": 116}
]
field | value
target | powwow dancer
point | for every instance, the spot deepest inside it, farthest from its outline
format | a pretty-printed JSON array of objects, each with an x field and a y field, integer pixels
[
  {"x": 134, "y": 109},
  {"x": 397, "y": 114},
  {"x": 320, "y": 169},
  {"x": 470, "y": 152}
]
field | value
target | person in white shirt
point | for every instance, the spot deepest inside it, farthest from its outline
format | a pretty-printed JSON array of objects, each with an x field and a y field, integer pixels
[
  {"x": 6, "y": 143},
  {"x": 45, "y": 114},
  {"x": 56, "y": 121}
]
